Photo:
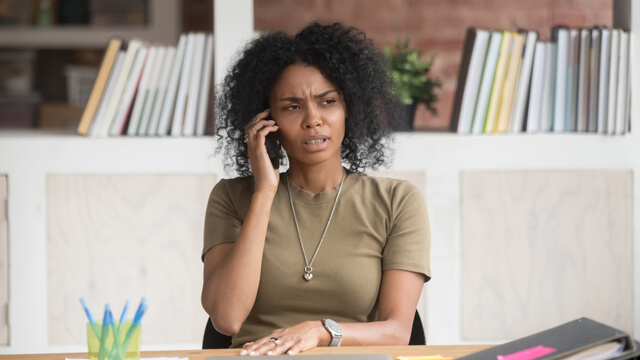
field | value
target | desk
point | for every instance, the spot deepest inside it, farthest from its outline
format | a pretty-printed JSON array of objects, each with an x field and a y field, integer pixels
[{"x": 454, "y": 351}]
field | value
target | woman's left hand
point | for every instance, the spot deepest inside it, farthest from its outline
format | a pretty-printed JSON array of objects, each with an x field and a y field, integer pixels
[{"x": 291, "y": 341}]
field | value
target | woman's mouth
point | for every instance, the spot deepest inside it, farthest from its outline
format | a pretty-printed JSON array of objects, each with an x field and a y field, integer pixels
[{"x": 315, "y": 142}]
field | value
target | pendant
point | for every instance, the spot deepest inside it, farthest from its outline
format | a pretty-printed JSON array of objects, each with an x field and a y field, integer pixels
[{"x": 307, "y": 273}]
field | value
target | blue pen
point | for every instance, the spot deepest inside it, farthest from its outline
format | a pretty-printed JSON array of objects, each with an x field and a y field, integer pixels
[
  {"x": 105, "y": 333},
  {"x": 94, "y": 326},
  {"x": 123, "y": 315},
  {"x": 124, "y": 312},
  {"x": 115, "y": 346},
  {"x": 134, "y": 325}
]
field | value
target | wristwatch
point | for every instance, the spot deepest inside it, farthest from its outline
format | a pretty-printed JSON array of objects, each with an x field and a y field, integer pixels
[{"x": 334, "y": 329}]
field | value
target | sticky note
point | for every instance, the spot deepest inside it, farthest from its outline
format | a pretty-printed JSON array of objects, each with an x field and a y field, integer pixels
[{"x": 528, "y": 354}]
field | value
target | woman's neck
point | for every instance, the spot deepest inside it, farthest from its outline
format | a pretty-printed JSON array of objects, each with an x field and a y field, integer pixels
[{"x": 317, "y": 178}]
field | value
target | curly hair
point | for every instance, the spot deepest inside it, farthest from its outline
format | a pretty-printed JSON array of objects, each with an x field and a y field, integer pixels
[{"x": 345, "y": 57}]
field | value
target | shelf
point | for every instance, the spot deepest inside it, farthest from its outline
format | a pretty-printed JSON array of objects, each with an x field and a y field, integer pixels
[
  {"x": 164, "y": 27},
  {"x": 429, "y": 152}
]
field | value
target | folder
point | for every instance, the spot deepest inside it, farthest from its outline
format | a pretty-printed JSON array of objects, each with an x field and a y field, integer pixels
[{"x": 565, "y": 340}]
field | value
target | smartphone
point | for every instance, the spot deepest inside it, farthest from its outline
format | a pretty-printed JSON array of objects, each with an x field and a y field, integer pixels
[{"x": 272, "y": 144}]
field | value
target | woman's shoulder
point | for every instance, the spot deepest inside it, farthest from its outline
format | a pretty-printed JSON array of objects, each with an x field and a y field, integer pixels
[
  {"x": 233, "y": 187},
  {"x": 387, "y": 184}
]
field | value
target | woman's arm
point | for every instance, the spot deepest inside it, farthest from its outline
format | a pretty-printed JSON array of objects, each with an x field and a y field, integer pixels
[
  {"x": 232, "y": 270},
  {"x": 399, "y": 294}
]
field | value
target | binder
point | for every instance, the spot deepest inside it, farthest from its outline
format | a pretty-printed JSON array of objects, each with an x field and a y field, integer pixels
[{"x": 566, "y": 339}]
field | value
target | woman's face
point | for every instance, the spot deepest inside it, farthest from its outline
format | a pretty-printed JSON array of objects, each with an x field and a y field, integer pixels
[{"x": 310, "y": 113}]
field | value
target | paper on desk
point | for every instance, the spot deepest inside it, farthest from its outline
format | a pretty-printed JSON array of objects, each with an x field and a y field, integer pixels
[
  {"x": 156, "y": 358},
  {"x": 604, "y": 351}
]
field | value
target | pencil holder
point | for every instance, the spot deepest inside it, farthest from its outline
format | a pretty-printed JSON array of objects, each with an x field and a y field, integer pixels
[{"x": 105, "y": 348}]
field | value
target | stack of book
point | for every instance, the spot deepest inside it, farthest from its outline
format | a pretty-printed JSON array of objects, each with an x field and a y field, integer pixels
[
  {"x": 151, "y": 90},
  {"x": 511, "y": 82}
]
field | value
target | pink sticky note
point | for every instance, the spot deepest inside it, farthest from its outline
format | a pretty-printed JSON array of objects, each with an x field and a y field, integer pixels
[{"x": 528, "y": 354}]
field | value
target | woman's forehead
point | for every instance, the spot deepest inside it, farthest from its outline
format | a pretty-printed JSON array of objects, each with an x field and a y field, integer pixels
[{"x": 299, "y": 79}]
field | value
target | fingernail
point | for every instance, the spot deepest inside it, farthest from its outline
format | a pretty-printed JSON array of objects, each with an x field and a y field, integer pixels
[
  {"x": 243, "y": 352},
  {"x": 252, "y": 353},
  {"x": 269, "y": 352},
  {"x": 276, "y": 126}
]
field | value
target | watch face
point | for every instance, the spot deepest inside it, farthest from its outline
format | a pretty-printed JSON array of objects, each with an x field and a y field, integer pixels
[{"x": 333, "y": 326}]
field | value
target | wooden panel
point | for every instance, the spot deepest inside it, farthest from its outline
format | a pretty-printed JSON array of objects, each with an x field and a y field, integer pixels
[
  {"x": 4, "y": 268},
  {"x": 542, "y": 248},
  {"x": 117, "y": 237}
]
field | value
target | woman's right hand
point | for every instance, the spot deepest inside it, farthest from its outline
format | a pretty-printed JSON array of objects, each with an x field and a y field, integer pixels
[{"x": 265, "y": 176}]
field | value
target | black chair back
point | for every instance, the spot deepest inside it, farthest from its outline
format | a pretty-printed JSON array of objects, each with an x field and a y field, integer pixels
[{"x": 215, "y": 340}]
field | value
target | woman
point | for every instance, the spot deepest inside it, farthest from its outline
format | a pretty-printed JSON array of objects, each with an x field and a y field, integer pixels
[{"x": 319, "y": 255}]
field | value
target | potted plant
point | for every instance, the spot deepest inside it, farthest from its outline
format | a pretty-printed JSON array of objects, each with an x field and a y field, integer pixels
[{"x": 413, "y": 85}]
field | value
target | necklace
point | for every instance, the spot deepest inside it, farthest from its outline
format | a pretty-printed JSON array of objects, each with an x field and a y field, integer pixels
[{"x": 308, "y": 275}]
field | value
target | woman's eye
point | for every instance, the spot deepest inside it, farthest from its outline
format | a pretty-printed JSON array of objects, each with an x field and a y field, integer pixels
[
  {"x": 292, "y": 107},
  {"x": 328, "y": 101}
]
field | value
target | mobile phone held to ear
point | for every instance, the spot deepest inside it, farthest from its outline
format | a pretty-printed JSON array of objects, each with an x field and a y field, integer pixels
[{"x": 273, "y": 149}]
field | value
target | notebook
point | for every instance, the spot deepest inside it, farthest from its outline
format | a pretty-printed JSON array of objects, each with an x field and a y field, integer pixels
[{"x": 562, "y": 341}]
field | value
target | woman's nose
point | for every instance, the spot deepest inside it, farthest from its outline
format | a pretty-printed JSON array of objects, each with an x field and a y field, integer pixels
[{"x": 312, "y": 119}]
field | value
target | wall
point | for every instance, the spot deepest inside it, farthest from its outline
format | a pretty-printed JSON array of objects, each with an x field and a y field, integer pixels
[{"x": 435, "y": 26}]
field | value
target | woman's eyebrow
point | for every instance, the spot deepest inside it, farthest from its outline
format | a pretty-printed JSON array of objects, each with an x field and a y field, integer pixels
[{"x": 318, "y": 96}]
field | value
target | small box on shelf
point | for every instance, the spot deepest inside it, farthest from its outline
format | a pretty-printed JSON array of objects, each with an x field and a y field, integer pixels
[{"x": 18, "y": 111}]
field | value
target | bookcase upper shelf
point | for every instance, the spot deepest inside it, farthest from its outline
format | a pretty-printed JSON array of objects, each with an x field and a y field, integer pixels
[{"x": 163, "y": 27}]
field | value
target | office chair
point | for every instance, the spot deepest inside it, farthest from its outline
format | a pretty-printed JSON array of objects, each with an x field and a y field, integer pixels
[{"x": 214, "y": 340}]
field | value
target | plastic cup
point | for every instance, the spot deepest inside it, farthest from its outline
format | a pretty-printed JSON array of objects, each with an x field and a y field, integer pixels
[{"x": 132, "y": 352}]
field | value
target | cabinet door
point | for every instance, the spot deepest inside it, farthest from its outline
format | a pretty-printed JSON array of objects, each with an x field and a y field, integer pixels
[
  {"x": 4, "y": 279},
  {"x": 117, "y": 237}
]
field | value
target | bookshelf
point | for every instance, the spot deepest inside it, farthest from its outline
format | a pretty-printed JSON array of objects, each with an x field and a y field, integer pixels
[
  {"x": 27, "y": 158},
  {"x": 163, "y": 26}
]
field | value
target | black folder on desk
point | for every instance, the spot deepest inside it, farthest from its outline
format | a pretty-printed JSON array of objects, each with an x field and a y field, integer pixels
[{"x": 567, "y": 339}]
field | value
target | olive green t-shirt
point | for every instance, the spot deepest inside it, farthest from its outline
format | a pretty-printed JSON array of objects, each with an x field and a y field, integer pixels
[{"x": 378, "y": 224}]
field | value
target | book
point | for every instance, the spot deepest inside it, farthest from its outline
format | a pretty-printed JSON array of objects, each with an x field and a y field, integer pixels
[
  {"x": 183, "y": 88},
  {"x": 572, "y": 81},
  {"x": 536, "y": 94},
  {"x": 603, "y": 80},
  {"x": 163, "y": 83},
  {"x": 205, "y": 88},
  {"x": 114, "y": 101},
  {"x": 142, "y": 94},
  {"x": 613, "y": 81},
  {"x": 583, "y": 81},
  {"x": 193, "y": 91},
  {"x": 172, "y": 88},
  {"x": 561, "y": 37},
  {"x": 498, "y": 82},
  {"x": 622, "y": 110},
  {"x": 594, "y": 78},
  {"x": 152, "y": 91},
  {"x": 488, "y": 73},
  {"x": 559, "y": 342},
  {"x": 473, "y": 58},
  {"x": 524, "y": 83},
  {"x": 511, "y": 81},
  {"x": 548, "y": 88},
  {"x": 104, "y": 102},
  {"x": 119, "y": 123},
  {"x": 99, "y": 86}
]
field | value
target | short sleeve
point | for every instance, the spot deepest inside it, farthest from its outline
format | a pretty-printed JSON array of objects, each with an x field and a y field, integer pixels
[
  {"x": 222, "y": 223},
  {"x": 408, "y": 245}
]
